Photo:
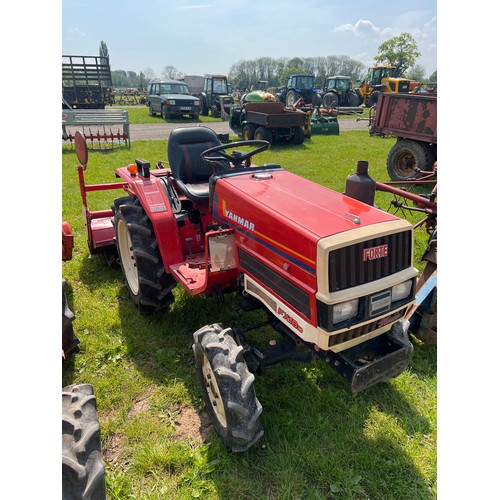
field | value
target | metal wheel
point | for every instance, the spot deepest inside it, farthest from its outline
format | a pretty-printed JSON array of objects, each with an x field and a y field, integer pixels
[{"x": 406, "y": 158}]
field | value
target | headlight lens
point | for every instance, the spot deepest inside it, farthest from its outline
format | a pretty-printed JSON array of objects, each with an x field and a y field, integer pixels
[
  {"x": 401, "y": 291},
  {"x": 345, "y": 310}
]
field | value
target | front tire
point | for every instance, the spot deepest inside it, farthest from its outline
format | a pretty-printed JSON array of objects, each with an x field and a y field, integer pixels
[
  {"x": 148, "y": 284},
  {"x": 406, "y": 157},
  {"x": 227, "y": 387},
  {"x": 165, "y": 114},
  {"x": 151, "y": 112},
  {"x": 83, "y": 470}
]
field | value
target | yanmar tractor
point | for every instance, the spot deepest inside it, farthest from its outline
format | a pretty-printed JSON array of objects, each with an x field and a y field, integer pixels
[{"x": 334, "y": 275}]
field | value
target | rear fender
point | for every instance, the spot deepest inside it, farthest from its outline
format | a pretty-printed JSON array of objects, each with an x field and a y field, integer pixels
[{"x": 155, "y": 202}]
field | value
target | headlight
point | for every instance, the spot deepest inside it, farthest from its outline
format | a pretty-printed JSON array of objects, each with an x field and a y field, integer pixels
[
  {"x": 197, "y": 103},
  {"x": 345, "y": 310},
  {"x": 401, "y": 291},
  {"x": 171, "y": 102}
]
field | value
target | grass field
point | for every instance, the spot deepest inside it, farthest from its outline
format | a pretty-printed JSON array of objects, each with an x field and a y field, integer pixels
[{"x": 320, "y": 441}]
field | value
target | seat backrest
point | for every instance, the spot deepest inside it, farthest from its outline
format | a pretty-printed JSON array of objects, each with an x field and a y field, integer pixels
[{"x": 184, "y": 148}]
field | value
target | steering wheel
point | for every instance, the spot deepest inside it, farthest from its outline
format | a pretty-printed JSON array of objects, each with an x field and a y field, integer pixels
[{"x": 237, "y": 158}]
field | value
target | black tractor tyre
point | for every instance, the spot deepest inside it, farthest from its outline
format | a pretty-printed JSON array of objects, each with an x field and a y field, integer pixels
[
  {"x": 298, "y": 135},
  {"x": 227, "y": 387},
  {"x": 291, "y": 98},
  {"x": 70, "y": 342},
  {"x": 263, "y": 134},
  {"x": 330, "y": 100},
  {"x": 83, "y": 469},
  {"x": 248, "y": 132},
  {"x": 149, "y": 285},
  {"x": 405, "y": 157},
  {"x": 353, "y": 99},
  {"x": 165, "y": 114},
  {"x": 372, "y": 100}
]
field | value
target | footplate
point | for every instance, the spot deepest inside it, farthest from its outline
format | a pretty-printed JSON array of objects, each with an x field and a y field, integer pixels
[{"x": 377, "y": 360}]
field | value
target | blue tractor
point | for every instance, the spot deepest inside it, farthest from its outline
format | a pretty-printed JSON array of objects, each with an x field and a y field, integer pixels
[{"x": 298, "y": 86}]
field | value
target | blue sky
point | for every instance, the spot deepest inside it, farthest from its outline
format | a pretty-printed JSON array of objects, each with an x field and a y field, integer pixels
[{"x": 208, "y": 36}]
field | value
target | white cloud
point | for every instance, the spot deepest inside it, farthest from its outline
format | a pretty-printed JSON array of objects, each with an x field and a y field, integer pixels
[{"x": 76, "y": 31}]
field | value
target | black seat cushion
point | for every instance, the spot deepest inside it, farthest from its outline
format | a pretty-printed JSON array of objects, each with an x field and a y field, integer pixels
[{"x": 190, "y": 172}]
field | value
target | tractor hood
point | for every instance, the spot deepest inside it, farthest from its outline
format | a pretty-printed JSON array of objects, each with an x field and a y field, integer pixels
[{"x": 286, "y": 214}]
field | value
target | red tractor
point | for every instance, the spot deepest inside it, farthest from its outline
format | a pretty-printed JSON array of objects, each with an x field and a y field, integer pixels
[{"x": 334, "y": 275}]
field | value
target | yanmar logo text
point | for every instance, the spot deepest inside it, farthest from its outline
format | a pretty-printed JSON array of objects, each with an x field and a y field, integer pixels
[
  {"x": 375, "y": 252},
  {"x": 239, "y": 220}
]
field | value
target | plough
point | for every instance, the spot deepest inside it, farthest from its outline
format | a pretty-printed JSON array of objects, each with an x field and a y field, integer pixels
[{"x": 102, "y": 121}]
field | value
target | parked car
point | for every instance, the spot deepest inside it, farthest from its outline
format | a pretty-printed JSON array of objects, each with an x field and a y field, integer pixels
[{"x": 171, "y": 98}]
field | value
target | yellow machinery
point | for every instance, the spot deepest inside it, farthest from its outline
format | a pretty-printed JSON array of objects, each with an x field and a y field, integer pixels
[{"x": 381, "y": 79}]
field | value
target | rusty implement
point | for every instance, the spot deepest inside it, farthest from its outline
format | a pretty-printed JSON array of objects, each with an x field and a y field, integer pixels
[{"x": 102, "y": 129}]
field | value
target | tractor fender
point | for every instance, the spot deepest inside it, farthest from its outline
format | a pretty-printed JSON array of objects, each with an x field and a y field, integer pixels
[{"x": 152, "y": 195}]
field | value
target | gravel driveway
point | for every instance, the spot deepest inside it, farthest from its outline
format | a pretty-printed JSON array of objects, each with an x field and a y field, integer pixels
[{"x": 161, "y": 130}]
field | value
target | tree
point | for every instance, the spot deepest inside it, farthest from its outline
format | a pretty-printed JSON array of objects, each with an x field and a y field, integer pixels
[
  {"x": 103, "y": 51},
  {"x": 416, "y": 72},
  {"x": 169, "y": 72},
  {"x": 400, "y": 51},
  {"x": 434, "y": 77}
]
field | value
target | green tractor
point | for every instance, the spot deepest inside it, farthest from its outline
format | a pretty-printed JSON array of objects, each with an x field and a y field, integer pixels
[
  {"x": 216, "y": 96},
  {"x": 338, "y": 91}
]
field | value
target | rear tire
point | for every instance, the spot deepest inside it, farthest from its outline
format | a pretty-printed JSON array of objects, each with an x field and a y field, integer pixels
[
  {"x": 406, "y": 156},
  {"x": 298, "y": 136},
  {"x": 372, "y": 100},
  {"x": 148, "y": 284},
  {"x": 291, "y": 98},
  {"x": 227, "y": 387},
  {"x": 248, "y": 132},
  {"x": 263, "y": 134},
  {"x": 83, "y": 470},
  {"x": 330, "y": 100},
  {"x": 353, "y": 100}
]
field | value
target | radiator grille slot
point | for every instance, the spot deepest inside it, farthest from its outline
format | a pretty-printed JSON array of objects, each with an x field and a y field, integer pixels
[{"x": 349, "y": 266}]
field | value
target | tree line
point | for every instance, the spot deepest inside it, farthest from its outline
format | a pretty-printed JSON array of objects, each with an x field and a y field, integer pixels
[{"x": 400, "y": 51}]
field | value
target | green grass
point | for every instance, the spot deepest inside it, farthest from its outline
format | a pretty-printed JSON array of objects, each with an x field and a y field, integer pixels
[{"x": 320, "y": 441}]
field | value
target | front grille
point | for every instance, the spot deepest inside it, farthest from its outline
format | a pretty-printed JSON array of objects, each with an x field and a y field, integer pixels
[
  {"x": 183, "y": 102},
  {"x": 404, "y": 86},
  {"x": 346, "y": 267}
]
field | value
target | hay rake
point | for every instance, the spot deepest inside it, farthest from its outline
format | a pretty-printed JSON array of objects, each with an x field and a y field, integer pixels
[
  {"x": 101, "y": 135},
  {"x": 101, "y": 139}
]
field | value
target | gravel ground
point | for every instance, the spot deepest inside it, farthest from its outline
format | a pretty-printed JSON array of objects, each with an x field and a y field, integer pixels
[{"x": 161, "y": 131}]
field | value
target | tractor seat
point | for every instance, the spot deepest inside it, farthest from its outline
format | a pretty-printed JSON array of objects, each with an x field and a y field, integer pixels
[{"x": 190, "y": 172}]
